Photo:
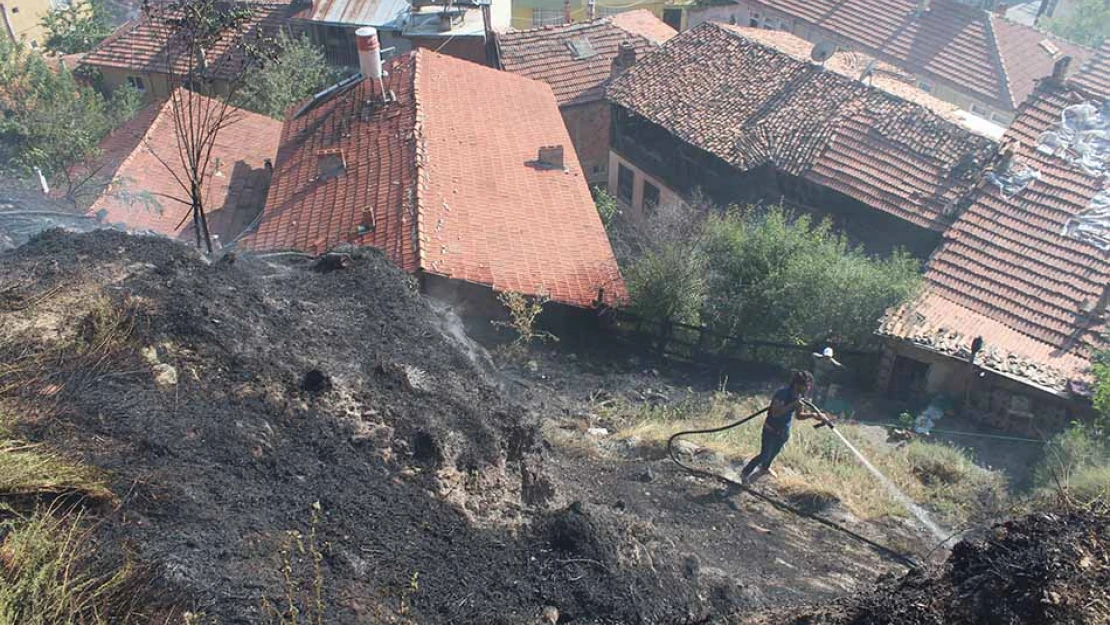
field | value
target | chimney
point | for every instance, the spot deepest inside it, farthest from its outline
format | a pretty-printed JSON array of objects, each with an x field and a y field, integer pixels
[
  {"x": 591, "y": 7},
  {"x": 626, "y": 58},
  {"x": 269, "y": 165},
  {"x": 923, "y": 7},
  {"x": 370, "y": 60},
  {"x": 1060, "y": 70},
  {"x": 551, "y": 156},
  {"x": 566, "y": 12}
]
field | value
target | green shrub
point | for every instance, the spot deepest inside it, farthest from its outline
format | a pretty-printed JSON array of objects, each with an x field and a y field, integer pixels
[
  {"x": 939, "y": 464},
  {"x": 779, "y": 277},
  {"x": 668, "y": 284},
  {"x": 1090, "y": 483},
  {"x": 1069, "y": 453}
]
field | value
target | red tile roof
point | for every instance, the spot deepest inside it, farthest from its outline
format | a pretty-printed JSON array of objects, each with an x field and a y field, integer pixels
[
  {"x": 750, "y": 104},
  {"x": 1094, "y": 76},
  {"x": 1016, "y": 278},
  {"x": 545, "y": 53},
  {"x": 973, "y": 50},
  {"x": 140, "y": 45},
  {"x": 137, "y": 186},
  {"x": 444, "y": 181}
]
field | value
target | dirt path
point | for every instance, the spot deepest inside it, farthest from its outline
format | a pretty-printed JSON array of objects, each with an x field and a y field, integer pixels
[{"x": 764, "y": 555}]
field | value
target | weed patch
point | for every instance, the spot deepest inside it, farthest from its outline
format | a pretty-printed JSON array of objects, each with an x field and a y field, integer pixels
[
  {"x": 45, "y": 566},
  {"x": 816, "y": 470}
]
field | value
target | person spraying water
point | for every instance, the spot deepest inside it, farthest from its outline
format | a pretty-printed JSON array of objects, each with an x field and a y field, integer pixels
[{"x": 787, "y": 404}]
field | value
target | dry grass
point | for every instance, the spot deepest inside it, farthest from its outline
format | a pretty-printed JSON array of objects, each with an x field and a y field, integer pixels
[
  {"x": 47, "y": 580},
  {"x": 33, "y": 470},
  {"x": 816, "y": 469}
]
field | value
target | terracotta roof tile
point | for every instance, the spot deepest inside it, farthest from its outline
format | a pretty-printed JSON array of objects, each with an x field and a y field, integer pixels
[
  {"x": 545, "y": 53},
  {"x": 446, "y": 175},
  {"x": 140, "y": 44},
  {"x": 1094, "y": 77},
  {"x": 750, "y": 104},
  {"x": 1016, "y": 279},
  {"x": 137, "y": 187},
  {"x": 972, "y": 49}
]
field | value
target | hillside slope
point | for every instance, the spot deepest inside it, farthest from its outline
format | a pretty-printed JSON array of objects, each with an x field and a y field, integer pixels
[{"x": 225, "y": 399}]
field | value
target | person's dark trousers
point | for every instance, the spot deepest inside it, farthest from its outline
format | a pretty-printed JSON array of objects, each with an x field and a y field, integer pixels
[{"x": 770, "y": 447}]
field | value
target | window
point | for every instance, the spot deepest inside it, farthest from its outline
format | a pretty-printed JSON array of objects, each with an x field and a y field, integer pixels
[
  {"x": 625, "y": 180},
  {"x": 926, "y": 86},
  {"x": 980, "y": 111},
  {"x": 651, "y": 197},
  {"x": 1001, "y": 119},
  {"x": 754, "y": 20},
  {"x": 136, "y": 83},
  {"x": 547, "y": 17}
]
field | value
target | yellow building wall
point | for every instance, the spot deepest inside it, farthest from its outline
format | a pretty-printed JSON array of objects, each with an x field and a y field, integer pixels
[
  {"x": 523, "y": 10},
  {"x": 22, "y": 19}
]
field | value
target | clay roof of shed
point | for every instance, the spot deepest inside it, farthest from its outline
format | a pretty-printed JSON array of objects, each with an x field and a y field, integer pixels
[
  {"x": 971, "y": 49},
  {"x": 545, "y": 53},
  {"x": 1007, "y": 267},
  {"x": 750, "y": 104},
  {"x": 137, "y": 186},
  {"x": 444, "y": 180},
  {"x": 141, "y": 45}
]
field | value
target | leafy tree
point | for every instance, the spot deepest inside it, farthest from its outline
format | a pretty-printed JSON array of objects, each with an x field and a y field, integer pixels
[
  {"x": 77, "y": 28},
  {"x": 50, "y": 121},
  {"x": 298, "y": 70},
  {"x": 1088, "y": 23}
]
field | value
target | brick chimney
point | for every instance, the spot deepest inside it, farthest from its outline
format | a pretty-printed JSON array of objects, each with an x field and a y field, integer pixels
[
  {"x": 370, "y": 60},
  {"x": 551, "y": 156},
  {"x": 1060, "y": 70},
  {"x": 923, "y": 7},
  {"x": 626, "y": 58}
]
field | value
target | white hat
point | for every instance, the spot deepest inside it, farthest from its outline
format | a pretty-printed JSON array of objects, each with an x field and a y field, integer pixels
[{"x": 828, "y": 353}]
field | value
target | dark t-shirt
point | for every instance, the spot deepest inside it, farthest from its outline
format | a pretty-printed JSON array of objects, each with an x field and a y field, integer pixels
[{"x": 780, "y": 425}]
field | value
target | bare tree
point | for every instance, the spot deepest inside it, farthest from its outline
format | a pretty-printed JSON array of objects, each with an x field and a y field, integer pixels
[{"x": 209, "y": 46}]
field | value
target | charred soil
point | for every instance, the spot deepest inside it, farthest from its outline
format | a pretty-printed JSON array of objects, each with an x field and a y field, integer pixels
[{"x": 239, "y": 392}]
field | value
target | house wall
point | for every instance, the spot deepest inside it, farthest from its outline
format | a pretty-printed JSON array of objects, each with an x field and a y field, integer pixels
[
  {"x": 990, "y": 399},
  {"x": 588, "y": 126},
  {"x": 747, "y": 13},
  {"x": 635, "y": 206},
  {"x": 467, "y": 48},
  {"x": 155, "y": 84},
  {"x": 22, "y": 19},
  {"x": 338, "y": 42}
]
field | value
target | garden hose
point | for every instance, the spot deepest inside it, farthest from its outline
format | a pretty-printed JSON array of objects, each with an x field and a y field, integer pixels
[{"x": 905, "y": 559}]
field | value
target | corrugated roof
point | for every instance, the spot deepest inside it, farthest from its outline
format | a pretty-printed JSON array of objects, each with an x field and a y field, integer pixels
[
  {"x": 547, "y": 54},
  {"x": 750, "y": 104},
  {"x": 444, "y": 180},
  {"x": 378, "y": 13},
  {"x": 970, "y": 48}
]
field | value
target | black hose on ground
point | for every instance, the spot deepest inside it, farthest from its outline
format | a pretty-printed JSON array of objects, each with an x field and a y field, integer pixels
[{"x": 904, "y": 559}]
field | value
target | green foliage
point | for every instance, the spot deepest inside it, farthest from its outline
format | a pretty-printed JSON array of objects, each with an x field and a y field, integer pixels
[
  {"x": 523, "y": 314},
  {"x": 668, "y": 283},
  {"x": 297, "y": 70},
  {"x": 302, "y": 560},
  {"x": 77, "y": 28},
  {"x": 778, "y": 277},
  {"x": 607, "y": 207},
  {"x": 49, "y": 120},
  {"x": 1088, "y": 23},
  {"x": 1073, "y": 452}
]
